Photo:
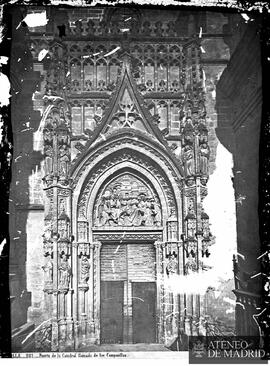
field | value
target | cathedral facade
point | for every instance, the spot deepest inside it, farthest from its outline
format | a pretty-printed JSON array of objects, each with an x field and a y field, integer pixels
[{"x": 123, "y": 148}]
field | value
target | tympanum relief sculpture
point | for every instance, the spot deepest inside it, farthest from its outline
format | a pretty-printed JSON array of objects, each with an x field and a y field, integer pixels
[{"x": 128, "y": 202}]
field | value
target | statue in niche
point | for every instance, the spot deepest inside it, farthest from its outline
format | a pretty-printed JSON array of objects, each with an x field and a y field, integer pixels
[
  {"x": 172, "y": 264},
  {"x": 64, "y": 272},
  {"x": 62, "y": 205},
  {"x": 85, "y": 269},
  {"x": 188, "y": 132},
  {"x": 63, "y": 160},
  {"x": 190, "y": 266},
  {"x": 55, "y": 121},
  {"x": 188, "y": 158},
  {"x": 62, "y": 229},
  {"x": 204, "y": 156},
  {"x": 48, "y": 151},
  {"x": 48, "y": 122},
  {"x": 47, "y": 135},
  {"x": 48, "y": 272}
]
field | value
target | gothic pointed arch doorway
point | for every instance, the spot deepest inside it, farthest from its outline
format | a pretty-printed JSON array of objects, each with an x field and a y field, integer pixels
[
  {"x": 128, "y": 207},
  {"x": 126, "y": 216}
]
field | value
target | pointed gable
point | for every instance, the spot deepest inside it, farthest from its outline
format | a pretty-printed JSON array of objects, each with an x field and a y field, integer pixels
[
  {"x": 126, "y": 114},
  {"x": 126, "y": 109}
]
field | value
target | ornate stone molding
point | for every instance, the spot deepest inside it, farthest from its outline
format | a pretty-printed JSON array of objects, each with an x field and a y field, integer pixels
[{"x": 129, "y": 236}]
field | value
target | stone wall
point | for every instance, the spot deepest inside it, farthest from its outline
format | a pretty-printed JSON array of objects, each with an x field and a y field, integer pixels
[{"x": 239, "y": 101}]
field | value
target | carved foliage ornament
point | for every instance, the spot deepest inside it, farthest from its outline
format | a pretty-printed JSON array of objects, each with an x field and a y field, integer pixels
[{"x": 128, "y": 236}]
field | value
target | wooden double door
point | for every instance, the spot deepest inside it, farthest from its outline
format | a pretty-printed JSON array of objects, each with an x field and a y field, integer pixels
[
  {"x": 117, "y": 326},
  {"x": 128, "y": 294}
]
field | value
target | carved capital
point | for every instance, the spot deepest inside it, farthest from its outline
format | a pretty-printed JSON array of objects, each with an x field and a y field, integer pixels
[
  {"x": 83, "y": 287},
  {"x": 64, "y": 247},
  {"x": 97, "y": 245},
  {"x": 158, "y": 245}
]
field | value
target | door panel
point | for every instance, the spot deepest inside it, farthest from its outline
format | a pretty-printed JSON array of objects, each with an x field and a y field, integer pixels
[
  {"x": 144, "y": 312},
  {"x": 111, "y": 311}
]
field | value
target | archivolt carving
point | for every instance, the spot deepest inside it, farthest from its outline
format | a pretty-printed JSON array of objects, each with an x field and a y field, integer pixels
[
  {"x": 113, "y": 145},
  {"x": 114, "y": 160}
]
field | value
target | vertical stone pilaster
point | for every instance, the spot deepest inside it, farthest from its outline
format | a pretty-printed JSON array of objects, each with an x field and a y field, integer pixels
[
  {"x": 91, "y": 292},
  {"x": 83, "y": 275},
  {"x": 157, "y": 245},
  {"x": 57, "y": 236},
  {"x": 96, "y": 287}
]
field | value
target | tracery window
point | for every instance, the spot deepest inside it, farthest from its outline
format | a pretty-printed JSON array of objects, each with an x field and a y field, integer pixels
[
  {"x": 175, "y": 115},
  {"x": 149, "y": 75},
  {"x": 151, "y": 107},
  {"x": 113, "y": 71},
  {"x": 75, "y": 74},
  {"x": 76, "y": 118},
  {"x": 101, "y": 74},
  {"x": 88, "y": 75},
  {"x": 84, "y": 115},
  {"x": 162, "y": 110},
  {"x": 162, "y": 76},
  {"x": 89, "y": 112}
]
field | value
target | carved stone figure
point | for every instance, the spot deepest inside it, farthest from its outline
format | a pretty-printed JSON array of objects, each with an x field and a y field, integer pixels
[
  {"x": 204, "y": 156},
  {"x": 188, "y": 158},
  {"x": 128, "y": 211},
  {"x": 103, "y": 211},
  {"x": 48, "y": 151},
  {"x": 47, "y": 135},
  {"x": 62, "y": 229},
  {"x": 48, "y": 272},
  {"x": 149, "y": 217},
  {"x": 172, "y": 265},
  {"x": 85, "y": 268},
  {"x": 64, "y": 272},
  {"x": 136, "y": 207},
  {"x": 190, "y": 266},
  {"x": 63, "y": 160},
  {"x": 156, "y": 211}
]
